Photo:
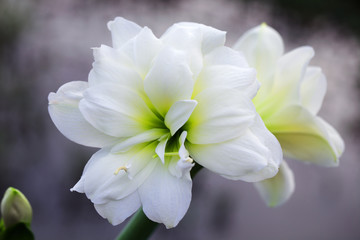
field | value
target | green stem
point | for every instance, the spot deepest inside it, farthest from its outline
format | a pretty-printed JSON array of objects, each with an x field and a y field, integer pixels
[{"x": 140, "y": 227}]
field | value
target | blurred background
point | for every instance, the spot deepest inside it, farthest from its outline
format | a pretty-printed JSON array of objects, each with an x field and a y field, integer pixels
[{"x": 44, "y": 44}]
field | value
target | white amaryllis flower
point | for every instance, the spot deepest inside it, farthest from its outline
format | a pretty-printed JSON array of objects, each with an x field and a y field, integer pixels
[
  {"x": 153, "y": 105},
  {"x": 288, "y": 101}
]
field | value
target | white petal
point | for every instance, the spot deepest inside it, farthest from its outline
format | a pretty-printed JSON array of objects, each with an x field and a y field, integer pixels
[
  {"x": 275, "y": 154},
  {"x": 221, "y": 114},
  {"x": 337, "y": 143},
  {"x": 108, "y": 177},
  {"x": 182, "y": 167},
  {"x": 225, "y": 56},
  {"x": 254, "y": 156},
  {"x": 169, "y": 80},
  {"x": 241, "y": 79},
  {"x": 181, "y": 164},
  {"x": 313, "y": 89},
  {"x": 117, "y": 111},
  {"x": 122, "y": 31},
  {"x": 165, "y": 198},
  {"x": 64, "y": 112},
  {"x": 178, "y": 114},
  {"x": 114, "y": 67},
  {"x": 79, "y": 186},
  {"x": 262, "y": 47},
  {"x": 142, "y": 49},
  {"x": 144, "y": 137},
  {"x": 189, "y": 42},
  {"x": 277, "y": 190},
  {"x": 305, "y": 137},
  {"x": 117, "y": 211},
  {"x": 182, "y": 37},
  {"x": 160, "y": 148},
  {"x": 290, "y": 71},
  {"x": 228, "y": 68},
  {"x": 211, "y": 37},
  {"x": 183, "y": 153},
  {"x": 233, "y": 159}
]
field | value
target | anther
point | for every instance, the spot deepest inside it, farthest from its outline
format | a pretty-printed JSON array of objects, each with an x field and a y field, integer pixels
[
  {"x": 189, "y": 160},
  {"x": 125, "y": 169}
]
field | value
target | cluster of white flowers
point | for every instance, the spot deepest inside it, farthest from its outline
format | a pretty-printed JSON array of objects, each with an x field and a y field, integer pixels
[{"x": 156, "y": 106}]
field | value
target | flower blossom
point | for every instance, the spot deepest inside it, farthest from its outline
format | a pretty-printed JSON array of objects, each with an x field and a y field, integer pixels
[
  {"x": 288, "y": 101},
  {"x": 155, "y": 106}
]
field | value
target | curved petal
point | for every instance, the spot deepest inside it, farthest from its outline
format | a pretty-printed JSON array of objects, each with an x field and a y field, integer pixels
[
  {"x": 122, "y": 30},
  {"x": 165, "y": 198},
  {"x": 211, "y": 37},
  {"x": 337, "y": 143},
  {"x": 64, "y": 112},
  {"x": 117, "y": 111},
  {"x": 112, "y": 66},
  {"x": 181, "y": 164},
  {"x": 144, "y": 137},
  {"x": 241, "y": 79},
  {"x": 254, "y": 156},
  {"x": 313, "y": 89},
  {"x": 189, "y": 42},
  {"x": 142, "y": 50},
  {"x": 183, "y": 152},
  {"x": 79, "y": 186},
  {"x": 169, "y": 80},
  {"x": 262, "y": 47},
  {"x": 290, "y": 71},
  {"x": 306, "y": 137},
  {"x": 110, "y": 177},
  {"x": 275, "y": 156},
  {"x": 221, "y": 114},
  {"x": 225, "y": 56},
  {"x": 228, "y": 68},
  {"x": 234, "y": 158},
  {"x": 178, "y": 114},
  {"x": 160, "y": 148},
  {"x": 117, "y": 211},
  {"x": 277, "y": 190}
]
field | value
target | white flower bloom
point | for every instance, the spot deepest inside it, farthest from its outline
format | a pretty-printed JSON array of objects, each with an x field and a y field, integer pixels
[
  {"x": 288, "y": 101},
  {"x": 153, "y": 105}
]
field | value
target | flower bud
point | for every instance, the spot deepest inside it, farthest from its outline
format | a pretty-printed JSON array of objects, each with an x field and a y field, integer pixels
[{"x": 15, "y": 208}]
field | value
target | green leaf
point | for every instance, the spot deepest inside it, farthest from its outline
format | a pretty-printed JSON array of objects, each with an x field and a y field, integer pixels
[{"x": 17, "y": 232}]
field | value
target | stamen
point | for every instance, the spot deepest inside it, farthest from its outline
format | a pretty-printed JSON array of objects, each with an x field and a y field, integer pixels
[
  {"x": 168, "y": 154},
  {"x": 125, "y": 169},
  {"x": 189, "y": 160},
  {"x": 171, "y": 154}
]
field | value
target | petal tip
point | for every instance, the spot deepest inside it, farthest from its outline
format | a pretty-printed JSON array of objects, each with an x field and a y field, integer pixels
[{"x": 112, "y": 22}]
